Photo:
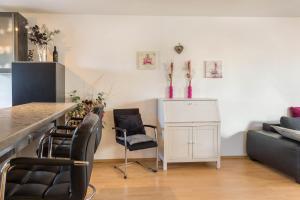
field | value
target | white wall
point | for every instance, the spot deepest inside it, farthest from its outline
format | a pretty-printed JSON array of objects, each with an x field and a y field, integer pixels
[
  {"x": 261, "y": 65},
  {"x": 5, "y": 90}
]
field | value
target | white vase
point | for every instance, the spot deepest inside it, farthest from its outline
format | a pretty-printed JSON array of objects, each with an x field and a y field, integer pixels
[{"x": 42, "y": 52}]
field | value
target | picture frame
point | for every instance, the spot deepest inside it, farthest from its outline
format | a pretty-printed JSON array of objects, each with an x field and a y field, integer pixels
[
  {"x": 147, "y": 60},
  {"x": 213, "y": 69}
]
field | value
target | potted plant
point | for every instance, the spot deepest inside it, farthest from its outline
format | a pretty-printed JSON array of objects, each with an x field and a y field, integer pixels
[
  {"x": 41, "y": 37},
  {"x": 84, "y": 106}
]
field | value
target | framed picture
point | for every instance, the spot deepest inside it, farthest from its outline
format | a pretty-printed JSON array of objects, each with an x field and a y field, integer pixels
[
  {"x": 147, "y": 60},
  {"x": 213, "y": 69}
]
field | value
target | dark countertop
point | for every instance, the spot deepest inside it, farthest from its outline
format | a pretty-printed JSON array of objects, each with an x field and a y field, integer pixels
[{"x": 18, "y": 122}]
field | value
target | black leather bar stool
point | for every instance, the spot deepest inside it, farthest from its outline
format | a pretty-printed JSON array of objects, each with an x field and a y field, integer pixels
[
  {"x": 54, "y": 179},
  {"x": 59, "y": 139}
]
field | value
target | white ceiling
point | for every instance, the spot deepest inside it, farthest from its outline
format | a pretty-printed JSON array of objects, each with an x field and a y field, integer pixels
[{"x": 246, "y": 8}]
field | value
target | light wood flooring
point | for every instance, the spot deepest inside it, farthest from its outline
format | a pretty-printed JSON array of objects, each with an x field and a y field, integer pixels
[{"x": 238, "y": 179}]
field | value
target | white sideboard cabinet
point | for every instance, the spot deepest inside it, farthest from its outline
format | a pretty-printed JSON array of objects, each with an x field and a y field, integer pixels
[{"x": 189, "y": 131}]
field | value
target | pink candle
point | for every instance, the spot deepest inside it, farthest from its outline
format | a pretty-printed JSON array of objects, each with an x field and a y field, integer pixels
[
  {"x": 189, "y": 76},
  {"x": 190, "y": 92},
  {"x": 171, "y": 73},
  {"x": 171, "y": 81},
  {"x": 171, "y": 92}
]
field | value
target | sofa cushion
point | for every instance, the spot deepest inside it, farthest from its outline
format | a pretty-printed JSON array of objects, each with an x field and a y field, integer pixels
[
  {"x": 290, "y": 123},
  {"x": 289, "y": 133},
  {"x": 269, "y": 127},
  {"x": 295, "y": 111}
]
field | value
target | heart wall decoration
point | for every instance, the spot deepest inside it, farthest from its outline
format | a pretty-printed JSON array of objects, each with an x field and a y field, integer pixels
[{"x": 179, "y": 48}]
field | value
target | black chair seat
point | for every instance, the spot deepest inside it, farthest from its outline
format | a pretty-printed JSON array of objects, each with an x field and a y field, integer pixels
[
  {"x": 38, "y": 182},
  {"x": 62, "y": 151},
  {"x": 139, "y": 145},
  {"x": 60, "y": 148},
  {"x": 62, "y": 141}
]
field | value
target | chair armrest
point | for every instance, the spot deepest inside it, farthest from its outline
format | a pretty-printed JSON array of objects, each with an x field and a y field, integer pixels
[
  {"x": 61, "y": 135},
  {"x": 155, "y": 129},
  {"x": 150, "y": 126},
  {"x": 120, "y": 129},
  {"x": 46, "y": 161},
  {"x": 124, "y": 131},
  {"x": 71, "y": 128}
]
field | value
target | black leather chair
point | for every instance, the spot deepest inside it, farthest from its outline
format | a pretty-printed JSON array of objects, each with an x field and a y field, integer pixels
[
  {"x": 54, "y": 179},
  {"x": 131, "y": 133},
  {"x": 58, "y": 141}
]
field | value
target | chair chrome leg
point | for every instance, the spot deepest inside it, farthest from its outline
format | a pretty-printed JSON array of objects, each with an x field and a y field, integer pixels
[
  {"x": 50, "y": 147},
  {"x": 126, "y": 162},
  {"x": 146, "y": 167},
  {"x": 93, "y": 192},
  {"x": 4, "y": 171},
  {"x": 41, "y": 145},
  {"x": 157, "y": 159},
  {"x": 123, "y": 165},
  {"x": 41, "y": 150},
  {"x": 150, "y": 168}
]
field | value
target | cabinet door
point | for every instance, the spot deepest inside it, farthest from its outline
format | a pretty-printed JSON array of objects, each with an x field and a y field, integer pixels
[
  {"x": 179, "y": 142},
  {"x": 205, "y": 142}
]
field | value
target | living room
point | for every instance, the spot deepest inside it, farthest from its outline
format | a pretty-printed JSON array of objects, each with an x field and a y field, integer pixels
[{"x": 236, "y": 61}]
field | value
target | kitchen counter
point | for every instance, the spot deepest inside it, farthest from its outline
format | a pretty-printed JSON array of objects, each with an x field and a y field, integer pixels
[{"x": 18, "y": 123}]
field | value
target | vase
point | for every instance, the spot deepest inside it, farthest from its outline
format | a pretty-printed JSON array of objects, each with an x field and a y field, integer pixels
[
  {"x": 171, "y": 92},
  {"x": 42, "y": 52},
  {"x": 190, "y": 92}
]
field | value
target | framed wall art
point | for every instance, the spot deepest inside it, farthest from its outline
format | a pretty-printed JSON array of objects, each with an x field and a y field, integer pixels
[
  {"x": 213, "y": 69},
  {"x": 147, "y": 60}
]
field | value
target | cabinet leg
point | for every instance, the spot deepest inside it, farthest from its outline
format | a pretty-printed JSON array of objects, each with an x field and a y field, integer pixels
[
  {"x": 218, "y": 164},
  {"x": 165, "y": 165}
]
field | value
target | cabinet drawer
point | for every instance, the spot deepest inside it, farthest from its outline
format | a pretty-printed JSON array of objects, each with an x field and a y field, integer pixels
[{"x": 191, "y": 111}]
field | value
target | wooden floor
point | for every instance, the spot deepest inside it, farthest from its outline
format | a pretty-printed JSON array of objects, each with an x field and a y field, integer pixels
[{"x": 238, "y": 179}]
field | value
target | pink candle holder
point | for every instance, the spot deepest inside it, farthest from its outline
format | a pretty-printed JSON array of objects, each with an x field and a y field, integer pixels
[
  {"x": 190, "y": 91},
  {"x": 170, "y": 91}
]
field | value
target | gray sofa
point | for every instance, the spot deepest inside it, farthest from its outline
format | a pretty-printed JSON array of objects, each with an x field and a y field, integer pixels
[{"x": 270, "y": 148}]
